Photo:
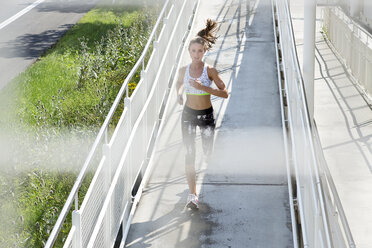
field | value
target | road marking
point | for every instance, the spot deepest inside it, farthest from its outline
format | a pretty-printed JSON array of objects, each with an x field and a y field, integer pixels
[{"x": 20, "y": 13}]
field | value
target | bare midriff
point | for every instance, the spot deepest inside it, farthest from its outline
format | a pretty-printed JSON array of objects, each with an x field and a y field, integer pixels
[{"x": 198, "y": 102}]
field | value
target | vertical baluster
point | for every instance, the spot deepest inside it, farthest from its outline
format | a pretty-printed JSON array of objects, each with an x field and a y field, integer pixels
[
  {"x": 76, "y": 222},
  {"x": 106, "y": 150}
]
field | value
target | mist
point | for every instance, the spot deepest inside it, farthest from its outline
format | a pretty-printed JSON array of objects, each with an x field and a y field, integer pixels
[{"x": 47, "y": 149}]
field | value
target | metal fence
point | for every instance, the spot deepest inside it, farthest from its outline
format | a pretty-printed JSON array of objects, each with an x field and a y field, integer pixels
[
  {"x": 285, "y": 134},
  {"x": 123, "y": 157},
  {"x": 353, "y": 43},
  {"x": 321, "y": 217}
]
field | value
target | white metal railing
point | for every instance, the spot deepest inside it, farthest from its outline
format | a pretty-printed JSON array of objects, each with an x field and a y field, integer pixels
[
  {"x": 328, "y": 2},
  {"x": 285, "y": 137},
  {"x": 354, "y": 45},
  {"x": 339, "y": 226},
  {"x": 321, "y": 217},
  {"x": 124, "y": 156}
]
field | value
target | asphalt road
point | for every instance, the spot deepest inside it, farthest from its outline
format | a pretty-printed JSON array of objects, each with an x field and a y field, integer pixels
[{"x": 23, "y": 40}]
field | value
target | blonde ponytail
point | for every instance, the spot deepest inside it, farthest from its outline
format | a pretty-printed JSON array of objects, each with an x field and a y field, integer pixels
[{"x": 206, "y": 36}]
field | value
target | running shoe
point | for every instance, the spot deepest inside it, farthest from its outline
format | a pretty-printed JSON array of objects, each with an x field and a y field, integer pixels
[{"x": 192, "y": 202}]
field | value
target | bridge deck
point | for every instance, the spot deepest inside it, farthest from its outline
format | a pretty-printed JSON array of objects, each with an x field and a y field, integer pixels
[
  {"x": 243, "y": 188},
  {"x": 344, "y": 124}
]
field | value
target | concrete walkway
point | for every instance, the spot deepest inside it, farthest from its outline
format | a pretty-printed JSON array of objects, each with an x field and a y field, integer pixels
[
  {"x": 344, "y": 122},
  {"x": 243, "y": 189}
]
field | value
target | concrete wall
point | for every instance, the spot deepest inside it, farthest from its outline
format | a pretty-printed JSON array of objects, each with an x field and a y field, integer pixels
[
  {"x": 367, "y": 12},
  {"x": 358, "y": 9}
]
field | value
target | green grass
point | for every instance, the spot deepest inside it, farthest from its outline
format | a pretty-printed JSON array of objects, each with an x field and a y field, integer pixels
[
  {"x": 34, "y": 201},
  {"x": 69, "y": 90},
  {"x": 62, "y": 89}
]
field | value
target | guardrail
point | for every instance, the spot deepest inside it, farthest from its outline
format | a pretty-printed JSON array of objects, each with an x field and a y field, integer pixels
[
  {"x": 321, "y": 217},
  {"x": 328, "y": 2},
  {"x": 285, "y": 134},
  {"x": 354, "y": 45},
  {"x": 123, "y": 157},
  {"x": 339, "y": 226}
]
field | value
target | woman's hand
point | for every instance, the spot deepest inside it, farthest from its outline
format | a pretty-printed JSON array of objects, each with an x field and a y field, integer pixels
[
  {"x": 196, "y": 84},
  {"x": 180, "y": 99}
]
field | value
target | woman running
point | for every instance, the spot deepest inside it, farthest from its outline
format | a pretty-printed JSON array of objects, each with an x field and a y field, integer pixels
[{"x": 196, "y": 78}]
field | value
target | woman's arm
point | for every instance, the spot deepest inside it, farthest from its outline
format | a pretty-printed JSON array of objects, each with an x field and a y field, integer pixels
[
  {"x": 179, "y": 86},
  {"x": 213, "y": 74}
]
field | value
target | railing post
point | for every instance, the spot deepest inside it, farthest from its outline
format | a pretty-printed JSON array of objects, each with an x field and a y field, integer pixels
[
  {"x": 127, "y": 102},
  {"x": 76, "y": 221},
  {"x": 107, "y": 221},
  {"x": 106, "y": 136},
  {"x": 77, "y": 201},
  {"x": 107, "y": 153},
  {"x": 156, "y": 46},
  {"x": 143, "y": 73},
  {"x": 145, "y": 82},
  {"x": 309, "y": 53},
  {"x": 165, "y": 26}
]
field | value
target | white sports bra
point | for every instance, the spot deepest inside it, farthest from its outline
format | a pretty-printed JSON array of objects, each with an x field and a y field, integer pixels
[{"x": 204, "y": 79}]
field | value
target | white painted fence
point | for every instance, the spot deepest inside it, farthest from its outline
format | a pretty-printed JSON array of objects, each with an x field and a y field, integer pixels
[
  {"x": 123, "y": 157},
  {"x": 321, "y": 217},
  {"x": 353, "y": 43}
]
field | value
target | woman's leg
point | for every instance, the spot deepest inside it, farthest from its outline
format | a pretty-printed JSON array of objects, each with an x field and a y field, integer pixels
[
  {"x": 188, "y": 135},
  {"x": 207, "y": 126}
]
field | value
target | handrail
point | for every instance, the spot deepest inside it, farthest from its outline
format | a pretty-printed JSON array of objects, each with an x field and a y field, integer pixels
[
  {"x": 332, "y": 185},
  {"x": 307, "y": 128},
  {"x": 310, "y": 123},
  {"x": 102, "y": 133},
  {"x": 317, "y": 161},
  {"x": 285, "y": 138}
]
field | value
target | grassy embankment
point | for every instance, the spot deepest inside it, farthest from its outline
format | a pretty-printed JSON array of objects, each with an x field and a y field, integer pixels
[{"x": 56, "y": 106}]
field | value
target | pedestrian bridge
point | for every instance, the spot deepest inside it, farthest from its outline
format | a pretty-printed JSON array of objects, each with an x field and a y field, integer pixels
[{"x": 267, "y": 183}]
